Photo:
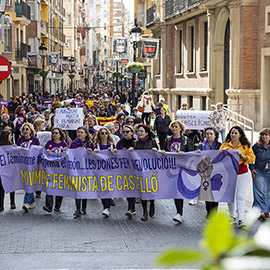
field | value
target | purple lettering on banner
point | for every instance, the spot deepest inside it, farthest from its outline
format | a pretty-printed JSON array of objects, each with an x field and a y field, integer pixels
[
  {"x": 48, "y": 101},
  {"x": 79, "y": 173},
  {"x": 77, "y": 102},
  {"x": 4, "y": 102}
]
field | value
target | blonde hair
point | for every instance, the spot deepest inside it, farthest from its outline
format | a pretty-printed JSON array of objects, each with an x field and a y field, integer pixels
[
  {"x": 263, "y": 131},
  {"x": 92, "y": 117},
  {"x": 31, "y": 127},
  {"x": 97, "y": 137},
  {"x": 37, "y": 123},
  {"x": 181, "y": 125}
]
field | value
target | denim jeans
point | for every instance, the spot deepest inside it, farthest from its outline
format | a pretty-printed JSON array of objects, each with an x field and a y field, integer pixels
[
  {"x": 261, "y": 190},
  {"x": 29, "y": 198},
  {"x": 222, "y": 134}
]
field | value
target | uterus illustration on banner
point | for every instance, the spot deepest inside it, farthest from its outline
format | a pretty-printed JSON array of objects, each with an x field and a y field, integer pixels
[{"x": 79, "y": 173}]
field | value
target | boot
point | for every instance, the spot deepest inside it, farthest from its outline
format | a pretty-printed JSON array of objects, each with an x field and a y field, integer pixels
[
  {"x": 145, "y": 216},
  {"x": 152, "y": 210}
]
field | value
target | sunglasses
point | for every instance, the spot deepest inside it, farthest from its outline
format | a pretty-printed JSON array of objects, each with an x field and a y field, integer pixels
[
  {"x": 130, "y": 122},
  {"x": 126, "y": 131},
  {"x": 25, "y": 129},
  {"x": 104, "y": 133},
  {"x": 140, "y": 131},
  {"x": 55, "y": 133}
]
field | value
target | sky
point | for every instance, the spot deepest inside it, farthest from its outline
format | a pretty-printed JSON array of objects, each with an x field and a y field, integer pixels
[{"x": 130, "y": 6}]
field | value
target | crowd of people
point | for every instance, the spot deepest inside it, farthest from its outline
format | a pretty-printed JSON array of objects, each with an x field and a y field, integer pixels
[{"x": 27, "y": 116}]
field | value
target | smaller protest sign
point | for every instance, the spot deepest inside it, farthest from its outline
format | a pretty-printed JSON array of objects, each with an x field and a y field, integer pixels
[
  {"x": 77, "y": 102},
  {"x": 44, "y": 137},
  {"x": 4, "y": 102},
  {"x": 48, "y": 101},
  {"x": 195, "y": 120},
  {"x": 68, "y": 119}
]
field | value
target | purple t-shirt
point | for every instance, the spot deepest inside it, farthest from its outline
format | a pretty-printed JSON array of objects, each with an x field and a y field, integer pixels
[
  {"x": 55, "y": 147},
  {"x": 21, "y": 119},
  {"x": 175, "y": 145},
  {"x": 26, "y": 143},
  {"x": 80, "y": 144},
  {"x": 104, "y": 147}
]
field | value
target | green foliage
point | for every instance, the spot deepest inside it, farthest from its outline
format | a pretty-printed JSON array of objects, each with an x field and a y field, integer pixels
[
  {"x": 117, "y": 74},
  {"x": 222, "y": 248},
  {"x": 43, "y": 72},
  {"x": 71, "y": 76}
]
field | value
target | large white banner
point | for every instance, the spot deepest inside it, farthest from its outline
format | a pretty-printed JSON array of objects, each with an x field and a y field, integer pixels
[
  {"x": 68, "y": 119},
  {"x": 194, "y": 120}
]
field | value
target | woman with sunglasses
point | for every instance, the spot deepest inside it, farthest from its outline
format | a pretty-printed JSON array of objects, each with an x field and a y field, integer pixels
[
  {"x": 236, "y": 140},
  {"x": 55, "y": 147},
  {"x": 83, "y": 141},
  {"x": 126, "y": 143},
  {"x": 6, "y": 138},
  {"x": 210, "y": 143},
  {"x": 26, "y": 140},
  {"x": 104, "y": 141},
  {"x": 177, "y": 142},
  {"x": 145, "y": 142}
]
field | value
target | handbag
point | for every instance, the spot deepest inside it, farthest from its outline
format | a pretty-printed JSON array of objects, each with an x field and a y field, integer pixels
[{"x": 141, "y": 108}]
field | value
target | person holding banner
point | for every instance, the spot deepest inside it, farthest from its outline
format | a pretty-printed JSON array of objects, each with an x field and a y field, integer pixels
[
  {"x": 237, "y": 140},
  {"x": 126, "y": 143},
  {"x": 55, "y": 146},
  {"x": 84, "y": 141},
  {"x": 145, "y": 141},
  {"x": 6, "y": 138},
  {"x": 26, "y": 140},
  {"x": 104, "y": 141},
  {"x": 210, "y": 143},
  {"x": 177, "y": 143}
]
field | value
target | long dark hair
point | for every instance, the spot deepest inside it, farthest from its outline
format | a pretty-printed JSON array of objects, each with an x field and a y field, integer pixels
[
  {"x": 4, "y": 137},
  {"x": 243, "y": 138}
]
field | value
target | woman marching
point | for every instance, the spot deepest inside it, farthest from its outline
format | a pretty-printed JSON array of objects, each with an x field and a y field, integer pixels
[
  {"x": 261, "y": 174},
  {"x": 237, "y": 140},
  {"x": 210, "y": 143},
  {"x": 6, "y": 138},
  {"x": 26, "y": 140},
  {"x": 104, "y": 141},
  {"x": 145, "y": 142},
  {"x": 84, "y": 141},
  {"x": 55, "y": 147},
  {"x": 125, "y": 143}
]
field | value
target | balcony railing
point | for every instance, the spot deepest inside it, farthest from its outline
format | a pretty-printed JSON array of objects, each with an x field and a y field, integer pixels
[
  {"x": 22, "y": 9},
  {"x": 21, "y": 51},
  {"x": 150, "y": 15},
  {"x": 174, "y": 7}
]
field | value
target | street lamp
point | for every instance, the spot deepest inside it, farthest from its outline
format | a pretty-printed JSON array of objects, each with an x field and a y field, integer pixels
[
  {"x": 135, "y": 33},
  {"x": 43, "y": 53},
  {"x": 85, "y": 74},
  {"x": 71, "y": 76}
]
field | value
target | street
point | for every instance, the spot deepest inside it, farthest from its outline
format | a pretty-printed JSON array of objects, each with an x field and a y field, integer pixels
[{"x": 39, "y": 240}]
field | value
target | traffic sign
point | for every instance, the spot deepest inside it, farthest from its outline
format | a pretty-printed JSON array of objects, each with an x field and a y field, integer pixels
[
  {"x": 142, "y": 74},
  {"x": 4, "y": 68}
]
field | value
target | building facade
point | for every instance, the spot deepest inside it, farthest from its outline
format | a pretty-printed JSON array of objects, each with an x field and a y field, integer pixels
[{"x": 212, "y": 51}]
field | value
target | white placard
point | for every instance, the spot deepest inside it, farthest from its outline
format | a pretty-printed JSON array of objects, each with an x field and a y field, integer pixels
[
  {"x": 195, "y": 120},
  {"x": 44, "y": 137},
  {"x": 68, "y": 119}
]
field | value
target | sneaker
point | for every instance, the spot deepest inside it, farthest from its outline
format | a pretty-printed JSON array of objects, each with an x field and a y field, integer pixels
[
  {"x": 262, "y": 217},
  {"x": 32, "y": 205},
  {"x": 47, "y": 209},
  {"x": 106, "y": 212},
  {"x": 233, "y": 220},
  {"x": 130, "y": 213},
  {"x": 178, "y": 218},
  {"x": 241, "y": 224},
  {"x": 138, "y": 200},
  {"x": 25, "y": 207},
  {"x": 13, "y": 206},
  {"x": 56, "y": 209},
  {"x": 77, "y": 213},
  {"x": 192, "y": 202}
]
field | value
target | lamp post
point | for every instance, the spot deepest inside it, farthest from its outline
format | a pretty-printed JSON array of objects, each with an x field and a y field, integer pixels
[
  {"x": 71, "y": 75},
  {"x": 43, "y": 53},
  {"x": 135, "y": 33},
  {"x": 85, "y": 75}
]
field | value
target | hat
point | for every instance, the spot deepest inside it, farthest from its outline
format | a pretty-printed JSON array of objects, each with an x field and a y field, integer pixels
[{"x": 159, "y": 104}]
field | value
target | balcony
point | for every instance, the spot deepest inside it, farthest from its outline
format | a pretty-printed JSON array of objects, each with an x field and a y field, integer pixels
[
  {"x": 21, "y": 51},
  {"x": 22, "y": 10},
  {"x": 175, "y": 7},
  {"x": 150, "y": 15},
  {"x": 44, "y": 28}
]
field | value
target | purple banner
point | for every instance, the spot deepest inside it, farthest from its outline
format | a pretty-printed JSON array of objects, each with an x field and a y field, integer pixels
[
  {"x": 48, "y": 101},
  {"x": 79, "y": 173},
  {"x": 4, "y": 102},
  {"x": 77, "y": 102}
]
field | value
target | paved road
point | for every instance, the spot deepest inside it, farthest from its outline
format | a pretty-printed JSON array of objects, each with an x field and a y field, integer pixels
[{"x": 39, "y": 240}]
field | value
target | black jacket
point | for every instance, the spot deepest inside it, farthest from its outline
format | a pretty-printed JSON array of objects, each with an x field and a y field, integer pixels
[
  {"x": 162, "y": 125},
  {"x": 149, "y": 144}
]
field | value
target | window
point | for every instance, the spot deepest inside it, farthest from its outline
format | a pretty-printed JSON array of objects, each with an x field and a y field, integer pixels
[
  {"x": 267, "y": 19},
  {"x": 190, "y": 46},
  {"x": 9, "y": 3},
  {"x": 204, "y": 103},
  {"x": 179, "y": 49},
  {"x": 205, "y": 46},
  {"x": 159, "y": 58},
  {"x": 68, "y": 42},
  {"x": 190, "y": 101},
  {"x": 7, "y": 34},
  {"x": 179, "y": 101}
]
